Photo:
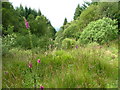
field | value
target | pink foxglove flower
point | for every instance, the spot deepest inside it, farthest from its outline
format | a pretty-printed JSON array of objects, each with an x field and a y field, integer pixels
[
  {"x": 26, "y": 23},
  {"x": 30, "y": 65},
  {"x": 38, "y": 60},
  {"x": 41, "y": 87}
]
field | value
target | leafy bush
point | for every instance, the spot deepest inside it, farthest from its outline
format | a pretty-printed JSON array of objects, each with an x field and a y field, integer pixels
[
  {"x": 88, "y": 15},
  {"x": 23, "y": 41},
  {"x": 71, "y": 31},
  {"x": 9, "y": 30},
  {"x": 68, "y": 43},
  {"x": 8, "y": 42},
  {"x": 100, "y": 31},
  {"x": 58, "y": 38},
  {"x": 108, "y": 9}
]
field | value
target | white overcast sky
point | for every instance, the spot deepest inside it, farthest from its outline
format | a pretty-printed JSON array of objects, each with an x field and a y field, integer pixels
[{"x": 54, "y": 10}]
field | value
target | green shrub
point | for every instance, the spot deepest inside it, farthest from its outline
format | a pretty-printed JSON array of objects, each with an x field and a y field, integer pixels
[
  {"x": 108, "y": 9},
  {"x": 71, "y": 31},
  {"x": 8, "y": 42},
  {"x": 58, "y": 38},
  {"x": 23, "y": 41},
  {"x": 9, "y": 30},
  {"x": 68, "y": 43},
  {"x": 18, "y": 40},
  {"x": 100, "y": 31},
  {"x": 88, "y": 15}
]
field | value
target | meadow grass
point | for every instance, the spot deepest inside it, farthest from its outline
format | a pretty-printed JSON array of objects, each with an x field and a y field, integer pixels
[{"x": 84, "y": 67}]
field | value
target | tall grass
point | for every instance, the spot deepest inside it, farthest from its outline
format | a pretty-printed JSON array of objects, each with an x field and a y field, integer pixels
[{"x": 84, "y": 67}]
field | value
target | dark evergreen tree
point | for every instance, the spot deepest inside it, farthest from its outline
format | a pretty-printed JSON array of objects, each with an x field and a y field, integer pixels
[
  {"x": 39, "y": 12},
  {"x": 34, "y": 12},
  {"x": 65, "y": 21},
  {"x": 29, "y": 11},
  {"x": 77, "y": 12},
  {"x": 85, "y": 5},
  {"x": 9, "y": 17},
  {"x": 26, "y": 12},
  {"x": 20, "y": 10},
  {"x": 79, "y": 9}
]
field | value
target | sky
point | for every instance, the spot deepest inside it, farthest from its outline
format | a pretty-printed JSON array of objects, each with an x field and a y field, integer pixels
[{"x": 55, "y": 10}]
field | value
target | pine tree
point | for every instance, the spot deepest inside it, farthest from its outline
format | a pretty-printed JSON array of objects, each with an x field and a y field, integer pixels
[
  {"x": 77, "y": 12},
  {"x": 21, "y": 10},
  {"x": 26, "y": 12},
  {"x": 34, "y": 12},
  {"x": 65, "y": 21},
  {"x": 39, "y": 12}
]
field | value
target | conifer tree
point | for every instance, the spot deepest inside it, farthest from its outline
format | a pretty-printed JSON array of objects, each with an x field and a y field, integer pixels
[
  {"x": 39, "y": 12},
  {"x": 65, "y": 21},
  {"x": 77, "y": 12}
]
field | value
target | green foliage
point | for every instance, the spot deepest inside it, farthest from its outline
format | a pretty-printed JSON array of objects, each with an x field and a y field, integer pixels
[
  {"x": 68, "y": 43},
  {"x": 23, "y": 41},
  {"x": 87, "y": 16},
  {"x": 74, "y": 28},
  {"x": 92, "y": 12},
  {"x": 20, "y": 10},
  {"x": 71, "y": 31},
  {"x": 9, "y": 30},
  {"x": 30, "y": 17},
  {"x": 98, "y": 11},
  {"x": 80, "y": 9},
  {"x": 13, "y": 18},
  {"x": 59, "y": 37},
  {"x": 40, "y": 27},
  {"x": 9, "y": 16},
  {"x": 108, "y": 9},
  {"x": 8, "y": 42},
  {"x": 100, "y": 31}
]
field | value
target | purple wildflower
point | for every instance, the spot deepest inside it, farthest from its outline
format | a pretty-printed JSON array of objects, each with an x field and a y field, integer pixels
[
  {"x": 76, "y": 46},
  {"x": 30, "y": 65},
  {"x": 41, "y": 87},
  {"x": 38, "y": 60},
  {"x": 26, "y": 23}
]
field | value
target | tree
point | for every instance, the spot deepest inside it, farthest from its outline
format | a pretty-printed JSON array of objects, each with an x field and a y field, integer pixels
[
  {"x": 65, "y": 21},
  {"x": 34, "y": 12},
  {"x": 39, "y": 12},
  {"x": 85, "y": 5},
  {"x": 30, "y": 17},
  {"x": 9, "y": 17},
  {"x": 77, "y": 12},
  {"x": 21, "y": 10},
  {"x": 80, "y": 9}
]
